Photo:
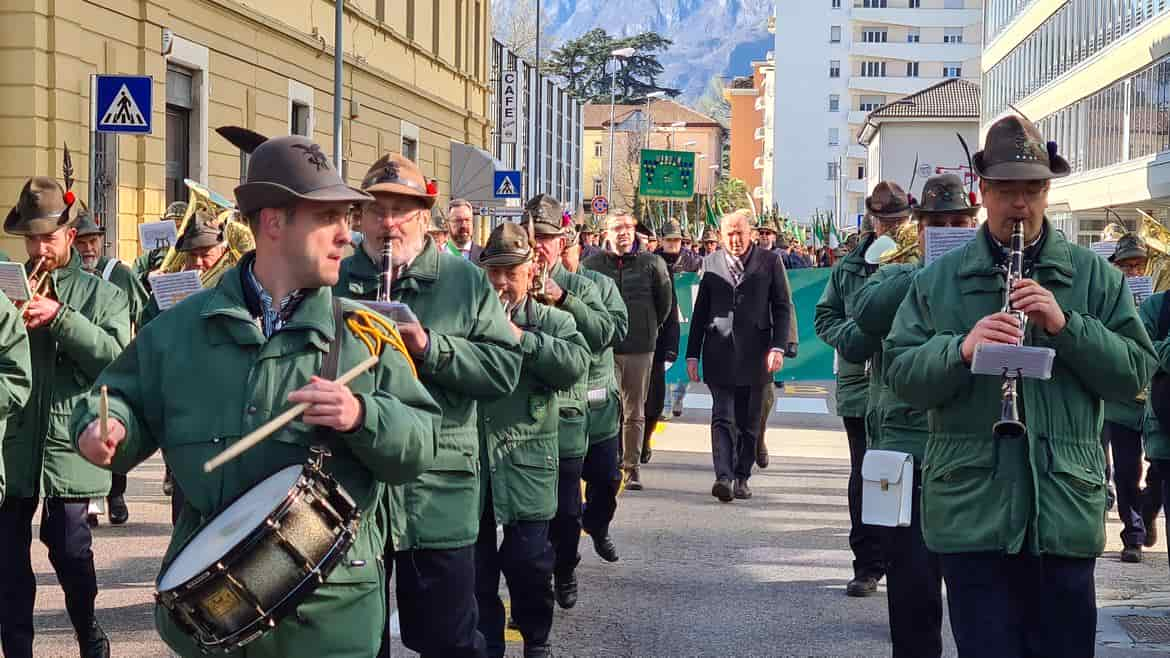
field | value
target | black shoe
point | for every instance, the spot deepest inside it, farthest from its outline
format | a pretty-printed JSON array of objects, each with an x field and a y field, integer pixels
[
  {"x": 604, "y": 547},
  {"x": 742, "y": 490},
  {"x": 1110, "y": 496},
  {"x": 633, "y": 482},
  {"x": 676, "y": 412},
  {"x": 537, "y": 650},
  {"x": 94, "y": 642},
  {"x": 1150, "y": 519},
  {"x": 119, "y": 513},
  {"x": 862, "y": 586},
  {"x": 565, "y": 590},
  {"x": 647, "y": 453},
  {"x": 91, "y": 520},
  {"x": 722, "y": 490},
  {"x": 1131, "y": 554},
  {"x": 762, "y": 455}
]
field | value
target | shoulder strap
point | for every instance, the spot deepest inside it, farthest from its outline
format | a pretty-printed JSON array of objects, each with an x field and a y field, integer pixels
[
  {"x": 1164, "y": 317},
  {"x": 333, "y": 356},
  {"x": 109, "y": 269}
]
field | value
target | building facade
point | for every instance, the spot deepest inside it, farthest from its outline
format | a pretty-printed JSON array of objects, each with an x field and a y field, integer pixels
[
  {"x": 661, "y": 124},
  {"x": 749, "y": 98},
  {"x": 850, "y": 57},
  {"x": 415, "y": 81},
  {"x": 1095, "y": 77}
]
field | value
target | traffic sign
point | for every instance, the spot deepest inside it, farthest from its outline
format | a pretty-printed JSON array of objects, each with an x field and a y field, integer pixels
[
  {"x": 122, "y": 103},
  {"x": 507, "y": 184},
  {"x": 667, "y": 175},
  {"x": 600, "y": 205}
]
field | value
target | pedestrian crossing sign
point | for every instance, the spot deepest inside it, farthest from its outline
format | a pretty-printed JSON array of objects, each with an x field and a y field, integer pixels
[
  {"x": 122, "y": 103},
  {"x": 507, "y": 184}
]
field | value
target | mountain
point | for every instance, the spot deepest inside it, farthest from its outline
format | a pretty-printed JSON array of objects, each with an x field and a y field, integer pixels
[{"x": 711, "y": 37}]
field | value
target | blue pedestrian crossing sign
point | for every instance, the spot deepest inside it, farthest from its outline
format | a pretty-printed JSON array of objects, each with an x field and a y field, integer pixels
[
  {"x": 507, "y": 185},
  {"x": 122, "y": 103}
]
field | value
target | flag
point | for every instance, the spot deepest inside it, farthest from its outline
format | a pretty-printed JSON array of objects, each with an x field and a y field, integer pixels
[
  {"x": 712, "y": 219},
  {"x": 834, "y": 237}
]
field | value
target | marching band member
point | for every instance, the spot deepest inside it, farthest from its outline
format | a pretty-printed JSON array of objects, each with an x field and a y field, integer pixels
[
  {"x": 1155, "y": 315},
  {"x": 203, "y": 244},
  {"x": 15, "y": 371},
  {"x": 889, "y": 208},
  {"x": 224, "y": 360},
  {"x": 152, "y": 257},
  {"x": 1121, "y": 434},
  {"x": 913, "y": 579},
  {"x": 465, "y": 352},
  {"x": 76, "y": 325},
  {"x": 518, "y": 451},
  {"x": 600, "y": 470},
  {"x": 89, "y": 246},
  {"x": 1018, "y": 519},
  {"x": 580, "y": 298}
]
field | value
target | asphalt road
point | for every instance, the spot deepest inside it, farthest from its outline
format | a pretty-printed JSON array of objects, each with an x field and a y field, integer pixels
[{"x": 763, "y": 577}]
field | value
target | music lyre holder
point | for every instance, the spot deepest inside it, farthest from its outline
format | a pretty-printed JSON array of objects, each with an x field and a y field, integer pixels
[{"x": 1016, "y": 361}]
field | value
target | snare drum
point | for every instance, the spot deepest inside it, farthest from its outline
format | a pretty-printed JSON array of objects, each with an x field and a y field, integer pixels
[{"x": 255, "y": 561}]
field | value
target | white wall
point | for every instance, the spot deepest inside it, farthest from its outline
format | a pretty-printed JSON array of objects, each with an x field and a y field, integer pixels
[{"x": 892, "y": 154}]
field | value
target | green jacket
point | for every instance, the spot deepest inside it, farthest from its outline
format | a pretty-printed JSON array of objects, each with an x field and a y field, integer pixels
[
  {"x": 648, "y": 291},
  {"x": 159, "y": 389},
  {"x": 472, "y": 356},
  {"x": 518, "y": 434},
  {"x": 891, "y": 424},
  {"x": 582, "y": 301},
  {"x": 15, "y": 370},
  {"x": 123, "y": 277},
  {"x": 92, "y": 327},
  {"x": 835, "y": 326},
  {"x": 604, "y": 415},
  {"x": 1044, "y": 494},
  {"x": 1156, "y": 441}
]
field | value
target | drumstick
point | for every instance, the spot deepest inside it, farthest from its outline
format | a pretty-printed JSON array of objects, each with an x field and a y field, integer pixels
[
  {"x": 104, "y": 415},
  {"x": 264, "y": 431}
]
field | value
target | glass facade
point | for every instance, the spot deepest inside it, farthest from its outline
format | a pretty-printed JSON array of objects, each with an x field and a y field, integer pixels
[
  {"x": 1128, "y": 119},
  {"x": 1071, "y": 35}
]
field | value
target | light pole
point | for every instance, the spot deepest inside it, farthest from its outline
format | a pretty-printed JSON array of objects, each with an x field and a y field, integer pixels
[
  {"x": 622, "y": 53},
  {"x": 338, "y": 72},
  {"x": 649, "y": 121}
]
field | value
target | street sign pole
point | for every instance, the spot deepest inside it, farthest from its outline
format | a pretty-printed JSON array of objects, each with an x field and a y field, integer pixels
[{"x": 338, "y": 62}]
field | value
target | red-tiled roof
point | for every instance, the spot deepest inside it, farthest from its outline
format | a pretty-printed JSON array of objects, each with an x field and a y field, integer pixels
[{"x": 662, "y": 111}]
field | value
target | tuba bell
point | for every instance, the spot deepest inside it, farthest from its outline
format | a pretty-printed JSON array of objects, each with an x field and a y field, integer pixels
[
  {"x": 907, "y": 250},
  {"x": 236, "y": 233},
  {"x": 1157, "y": 240}
]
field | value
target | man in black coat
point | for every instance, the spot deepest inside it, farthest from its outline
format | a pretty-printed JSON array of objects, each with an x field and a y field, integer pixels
[{"x": 739, "y": 326}]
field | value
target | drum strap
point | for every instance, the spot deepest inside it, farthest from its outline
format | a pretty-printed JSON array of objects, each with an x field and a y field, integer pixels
[{"x": 333, "y": 356}]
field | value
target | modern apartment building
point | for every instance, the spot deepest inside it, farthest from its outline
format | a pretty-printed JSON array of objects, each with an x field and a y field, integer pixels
[
  {"x": 751, "y": 100},
  {"x": 844, "y": 59},
  {"x": 1095, "y": 77}
]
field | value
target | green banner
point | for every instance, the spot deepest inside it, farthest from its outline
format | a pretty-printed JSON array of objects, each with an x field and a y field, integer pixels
[
  {"x": 667, "y": 175},
  {"x": 814, "y": 361}
]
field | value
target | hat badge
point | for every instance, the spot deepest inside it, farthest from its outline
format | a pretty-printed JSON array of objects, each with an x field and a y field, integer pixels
[
  {"x": 389, "y": 173},
  {"x": 314, "y": 154}
]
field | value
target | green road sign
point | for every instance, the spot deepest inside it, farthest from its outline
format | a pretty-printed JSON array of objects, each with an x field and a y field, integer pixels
[{"x": 667, "y": 175}]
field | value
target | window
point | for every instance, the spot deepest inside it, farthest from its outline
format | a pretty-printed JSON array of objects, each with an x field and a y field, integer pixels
[
  {"x": 835, "y": 68},
  {"x": 875, "y": 4},
  {"x": 952, "y": 70},
  {"x": 435, "y": 21},
  {"x": 953, "y": 35},
  {"x": 597, "y": 186},
  {"x": 597, "y": 149},
  {"x": 874, "y": 35},
  {"x": 860, "y": 172},
  {"x": 835, "y": 34},
  {"x": 833, "y": 170},
  {"x": 871, "y": 103},
  {"x": 834, "y": 136},
  {"x": 915, "y": 4},
  {"x": 835, "y": 4},
  {"x": 913, "y": 35},
  {"x": 299, "y": 120},
  {"x": 911, "y": 69},
  {"x": 873, "y": 69},
  {"x": 180, "y": 103},
  {"x": 410, "y": 149},
  {"x": 380, "y": 11},
  {"x": 410, "y": 19},
  {"x": 834, "y": 103}
]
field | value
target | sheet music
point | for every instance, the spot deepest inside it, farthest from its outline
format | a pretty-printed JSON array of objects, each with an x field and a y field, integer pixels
[
  {"x": 14, "y": 283},
  {"x": 1030, "y": 362},
  {"x": 396, "y": 311},
  {"x": 1104, "y": 249},
  {"x": 941, "y": 240},
  {"x": 1141, "y": 287},
  {"x": 170, "y": 289},
  {"x": 156, "y": 235}
]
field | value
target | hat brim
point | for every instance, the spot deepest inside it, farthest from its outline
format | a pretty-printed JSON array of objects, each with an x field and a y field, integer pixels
[
  {"x": 402, "y": 190},
  {"x": 545, "y": 231},
  {"x": 264, "y": 194},
  {"x": 503, "y": 260},
  {"x": 1010, "y": 171},
  {"x": 96, "y": 231},
  {"x": 1129, "y": 253},
  {"x": 899, "y": 214},
  {"x": 201, "y": 241},
  {"x": 970, "y": 211},
  {"x": 45, "y": 225}
]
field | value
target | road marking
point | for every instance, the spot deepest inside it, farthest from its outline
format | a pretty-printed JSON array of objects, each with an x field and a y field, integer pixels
[
  {"x": 783, "y": 405},
  {"x": 805, "y": 389}
]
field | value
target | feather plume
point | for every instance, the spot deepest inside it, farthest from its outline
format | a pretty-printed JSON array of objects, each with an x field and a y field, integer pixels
[{"x": 244, "y": 139}]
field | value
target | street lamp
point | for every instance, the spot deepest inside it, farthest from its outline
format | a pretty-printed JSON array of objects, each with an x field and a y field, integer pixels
[
  {"x": 623, "y": 53},
  {"x": 649, "y": 122}
]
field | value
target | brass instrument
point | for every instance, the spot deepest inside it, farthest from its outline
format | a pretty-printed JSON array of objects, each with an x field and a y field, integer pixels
[
  {"x": 907, "y": 250},
  {"x": 536, "y": 290},
  {"x": 237, "y": 235},
  {"x": 1009, "y": 425},
  {"x": 1157, "y": 239},
  {"x": 38, "y": 280},
  {"x": 1113, "y": 232}
]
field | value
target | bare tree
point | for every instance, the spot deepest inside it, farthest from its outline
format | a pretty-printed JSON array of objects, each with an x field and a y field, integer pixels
[{"x": 515, "y": 24}]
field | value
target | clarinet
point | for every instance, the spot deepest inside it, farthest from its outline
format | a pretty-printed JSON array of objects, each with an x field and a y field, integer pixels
[
  {"x": 1009, "y": 425},
  {"x": 387, "y": 275}
]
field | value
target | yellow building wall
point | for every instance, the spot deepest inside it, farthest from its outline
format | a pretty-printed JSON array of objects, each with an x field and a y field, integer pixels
[{"x": 49, "y": 50}]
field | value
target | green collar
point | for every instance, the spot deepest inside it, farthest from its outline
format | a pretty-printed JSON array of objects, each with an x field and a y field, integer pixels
[
  {"x": 1053, "y": 263},
  {"x": 314, "y": 314}
]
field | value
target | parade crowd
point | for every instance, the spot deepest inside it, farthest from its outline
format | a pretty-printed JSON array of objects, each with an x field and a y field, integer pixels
[{"x": 483, "y": 384}]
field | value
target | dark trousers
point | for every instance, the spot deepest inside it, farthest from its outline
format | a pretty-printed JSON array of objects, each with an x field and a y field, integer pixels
[
  {"x": 436, "y": 602},
  {"x": 913, "y": 587},
  {"x": 655, "y": 397},
  {"x": 65, "y": 533},
  {"x": 1160, "y": 469},
  {"x": 1125, "y": 445},
  {"x": 525, "y": 558},
  {"x": 1021, "y": 606},
  {"x": 864, "y": 540},
  {"x": 602, "y": 474},
  {"x": 735, "y": 422},
  {"x": 117, "y": 485},
  {"x": 1152, "y": 495},
  {"x": 564, "y": 531}
]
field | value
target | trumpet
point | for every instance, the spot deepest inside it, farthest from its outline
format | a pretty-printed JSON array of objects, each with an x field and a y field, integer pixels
[
  {"x": 39, "y": 279},
  {"x": 1009, "y": 425}
]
